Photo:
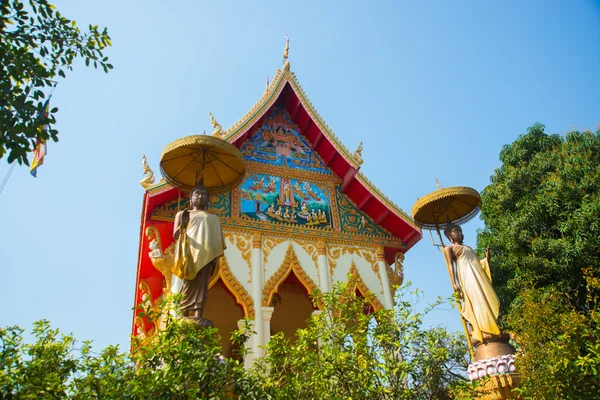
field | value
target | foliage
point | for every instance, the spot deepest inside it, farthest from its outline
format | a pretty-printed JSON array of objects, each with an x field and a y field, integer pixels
[
  {"x": 558, "y": 347},
  {"x": 343, "y": 353},
  {"x": 180, "y": 362},
  {"x": 36, "y": 44},
  {"x": 541, "y": 214},
  {"x": 346, "y": 353},
  {"x": 541, "y": 222}
]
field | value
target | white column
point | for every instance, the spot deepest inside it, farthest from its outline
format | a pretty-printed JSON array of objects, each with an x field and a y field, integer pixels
[
  {"x": 256, "y": 260},
  {"x": 267, "y": 313},
  {"x": 385, "y": 280},
  {"x": 249, "y": 358},
  {"x": 323, "y": 264}
]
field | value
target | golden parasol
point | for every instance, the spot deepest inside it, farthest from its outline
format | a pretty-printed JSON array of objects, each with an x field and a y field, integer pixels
[
  {"x": 456, "y": 205},
  {"x": 209, "y": 160}
]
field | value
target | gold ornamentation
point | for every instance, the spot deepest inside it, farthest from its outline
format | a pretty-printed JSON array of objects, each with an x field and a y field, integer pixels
[
  {"x": 358, "y": 154},
  {"x": 269, "y": 244},
  {"x": 299, "y": 174},
  {"x": 244, "y": 245},
  {"x": 286, "y": 63},
  {"x": 303, "y": 233},
  {"x": 162, "y": 261},
  {"x": 366, "y": 253},
  {"x": 321, "y": 248},
  {"x": 398, "y": 268},
  {"x": 333, "y": 254},
  {"x": 380, "y": 253},
  {"x": 150, "y": 308},
  {"x": 218, "y": 131},
  {"x": 363, "y": 289},
  {"x": 290, "y": 263},
  {"x": 257, "y": 111},
  {"x": 148, "y": 179},
  {"x": 395, "y": 279},
  {"x": 266, "y": 87},
  {"x": 238, "y": 290},
  {"x": 257, "y": 241},
  {"x": 311, "y": 249}
]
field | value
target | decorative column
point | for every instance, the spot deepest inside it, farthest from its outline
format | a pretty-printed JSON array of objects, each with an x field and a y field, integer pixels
[
  {"x": 324, "y": 278},
  {"x": 267, "y": 313},
  {"x": 256, "y": 261},
  {"x": 385, "y": 281}
]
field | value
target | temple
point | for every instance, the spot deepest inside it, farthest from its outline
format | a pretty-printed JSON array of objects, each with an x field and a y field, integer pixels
[{"x": 304, "y": 218}]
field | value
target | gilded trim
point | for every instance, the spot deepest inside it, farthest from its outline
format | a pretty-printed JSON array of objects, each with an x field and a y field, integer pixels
[
  {"x": 238, "y": 290},
  {"x": 290, "y": 263},
  {"x": 363, "y": 289},
  {"x": 297, "y": 173}
]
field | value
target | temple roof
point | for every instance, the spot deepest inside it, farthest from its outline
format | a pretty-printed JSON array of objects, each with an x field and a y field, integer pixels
[{"x": 285, "y": 89}]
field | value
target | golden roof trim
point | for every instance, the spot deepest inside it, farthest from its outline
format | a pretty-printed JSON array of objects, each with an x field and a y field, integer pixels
[
  {"x": 385, "y": 200},
  {"x": 269, "y": 98}
]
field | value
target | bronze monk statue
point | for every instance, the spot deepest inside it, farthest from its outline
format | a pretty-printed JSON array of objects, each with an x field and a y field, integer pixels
[{"x": 199, "y": 244}]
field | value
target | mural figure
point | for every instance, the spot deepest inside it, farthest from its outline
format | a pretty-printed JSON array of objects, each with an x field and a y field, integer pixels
[
  {"x": 471, "y": 278},
  {"x": 284, "y": 199},
  {"x": 199, "y": 244},
  {"x": 278, "y": 142}
]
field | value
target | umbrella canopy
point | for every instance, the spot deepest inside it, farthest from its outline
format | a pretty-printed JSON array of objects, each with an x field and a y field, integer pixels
[
  {"x": 214, "y": 162},
  {"x": 456, "y": 204}
]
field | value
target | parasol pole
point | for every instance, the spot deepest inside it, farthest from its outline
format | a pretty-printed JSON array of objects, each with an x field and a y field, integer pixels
[{"x": 437, "y": 229}]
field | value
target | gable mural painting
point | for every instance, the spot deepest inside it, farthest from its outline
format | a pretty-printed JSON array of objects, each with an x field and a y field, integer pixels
[
  {"x": 274, "y": 198},
  {"x": 278, "y": 142}
]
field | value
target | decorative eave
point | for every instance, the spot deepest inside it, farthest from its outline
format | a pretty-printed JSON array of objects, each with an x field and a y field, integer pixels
[{"x": 286, "y": 88}]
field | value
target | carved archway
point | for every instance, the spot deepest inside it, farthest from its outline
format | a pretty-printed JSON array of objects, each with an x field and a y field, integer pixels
[
  {"x": 239, "y": 291},
  {"x": 290, "y": 263},
  {"x": 363, "y": 289}
]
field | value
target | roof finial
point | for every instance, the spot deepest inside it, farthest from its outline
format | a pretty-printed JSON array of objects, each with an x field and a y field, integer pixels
[
  {"x": 358, "y": 154},
  {"x": 218, "y": 132},
  {"x": 148, "y": 179},
  {"x": 286, "y": 63},
  {"x": 267, "y": 85},
  {"x": 437, "y": 183}
]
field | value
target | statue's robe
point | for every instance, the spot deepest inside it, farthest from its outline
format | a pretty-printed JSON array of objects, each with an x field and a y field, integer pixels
[
  {"x": 480, "y": 302},
  {"x": 198, "y": 252}
]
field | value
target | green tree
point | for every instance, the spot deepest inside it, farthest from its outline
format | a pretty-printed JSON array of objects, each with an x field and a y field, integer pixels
[
  {"x": 541, "y": 214},
  {"x": 37, "y": 43},
  {"x": 541, "y": 221},
  {"x": 345, "y": 353}
]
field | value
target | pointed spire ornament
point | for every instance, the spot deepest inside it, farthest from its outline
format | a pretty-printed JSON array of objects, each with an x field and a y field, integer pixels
[
  {"x": 286, "y": 63},
  {"x": 438, "y": 185},
  {"x": 218, "y": 132},
  {"x": 358, "y": 154},
  {"x": 267, "y": 85},
  {"x": 148, "y": 179}
]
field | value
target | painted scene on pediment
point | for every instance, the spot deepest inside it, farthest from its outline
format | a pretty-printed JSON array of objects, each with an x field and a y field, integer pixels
[
  {"x": 281, "y": 199},
  {"x": 278, "y": 142}
]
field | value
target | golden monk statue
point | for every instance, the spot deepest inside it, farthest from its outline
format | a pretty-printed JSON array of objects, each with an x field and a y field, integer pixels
[
  {"x": 199, "y": 245},
  {"x": 471, "y": 278}
]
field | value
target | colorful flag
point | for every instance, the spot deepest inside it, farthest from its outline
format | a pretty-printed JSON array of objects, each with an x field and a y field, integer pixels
[{"x": 40, "y": 149}]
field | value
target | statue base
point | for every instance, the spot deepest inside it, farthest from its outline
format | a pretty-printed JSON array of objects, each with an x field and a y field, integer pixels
[
  {"x": 492, "y": 346},
  {"x": 494, "y": 359}
]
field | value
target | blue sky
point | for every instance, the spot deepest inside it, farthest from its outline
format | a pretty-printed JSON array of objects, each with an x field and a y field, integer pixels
[{"x": 433, "y": 89}]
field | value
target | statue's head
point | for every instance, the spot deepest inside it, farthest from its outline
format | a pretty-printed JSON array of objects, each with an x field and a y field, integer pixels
[
  {"x": 454, "y": 233},
  {"x": 199, "y": 197}
]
